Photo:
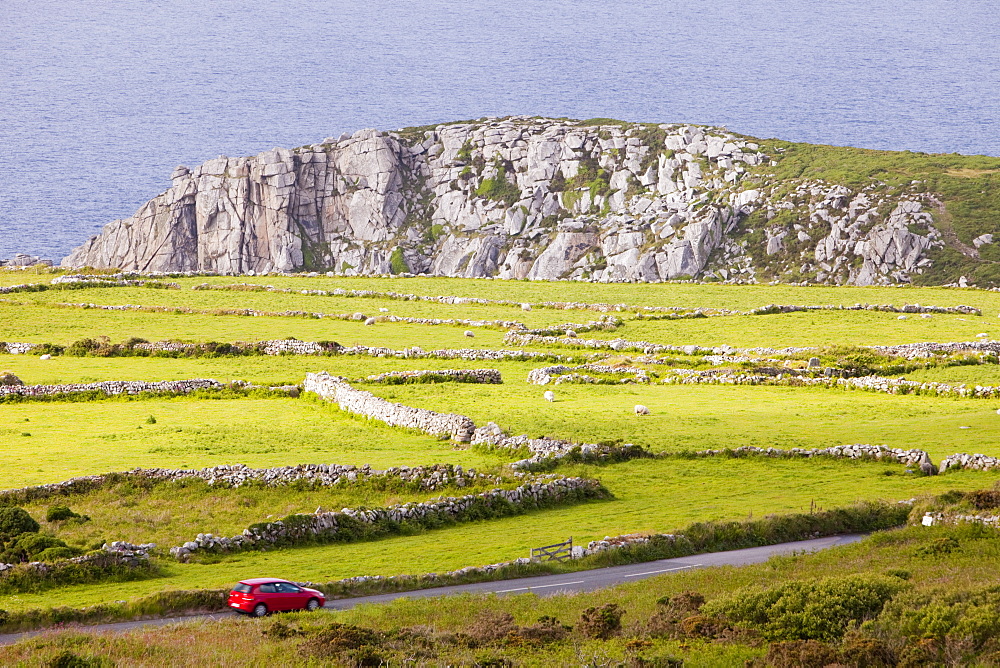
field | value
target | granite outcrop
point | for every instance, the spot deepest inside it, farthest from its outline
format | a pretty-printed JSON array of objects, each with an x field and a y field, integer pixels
[{"x": 525, "y": 197}]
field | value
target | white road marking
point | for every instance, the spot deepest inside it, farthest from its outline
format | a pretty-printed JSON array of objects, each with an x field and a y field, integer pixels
[
  {"x": 561, "y": 584},
  {"x": 665, "y": 570}
]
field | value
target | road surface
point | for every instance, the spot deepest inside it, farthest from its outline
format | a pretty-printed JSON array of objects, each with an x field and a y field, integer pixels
[{"x": 542, "y": 585}]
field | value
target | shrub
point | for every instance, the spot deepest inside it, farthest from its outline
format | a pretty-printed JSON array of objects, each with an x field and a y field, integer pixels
[
  {"x": 397, "y": 262},
  {"x": 68, "y": 659},
  {"x": 601, "y": 622},
  {"x": 548, "y": 629},
  {"x": 984, "y": 499},
  {"x": 151, "y": 420},
  {"x": 61, "y": 513},
  {"x": 800, "y": 654},
  {"x": 808, "y": 611},
  {"x": 15, "y": 521},
  {"x": 940, "y": 546},
  {"x": 280, "y": 630},
  {"x": 867, "y": 652},
  {"x": 333, "y": 641},
  {"x": 944, "y": 615},
  {"x": 687, "y": 601},
  {"x": 30, "y": 547},
  {"x": 701, "y": 626},
  {"x": 490, "y": 626}
]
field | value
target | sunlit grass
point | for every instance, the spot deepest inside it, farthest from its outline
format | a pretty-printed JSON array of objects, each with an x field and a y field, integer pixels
[{"x": 71, "y": 439}]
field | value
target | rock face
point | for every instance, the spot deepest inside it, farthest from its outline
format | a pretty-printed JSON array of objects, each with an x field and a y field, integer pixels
[{"x": 522, "y": 198}]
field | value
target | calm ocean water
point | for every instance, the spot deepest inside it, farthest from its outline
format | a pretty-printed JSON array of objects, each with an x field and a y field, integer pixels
[{"x": 100, "y": 100}]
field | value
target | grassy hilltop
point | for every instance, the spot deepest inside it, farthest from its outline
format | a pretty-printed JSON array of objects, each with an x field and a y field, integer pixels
[{"x": 712, "y": 333}]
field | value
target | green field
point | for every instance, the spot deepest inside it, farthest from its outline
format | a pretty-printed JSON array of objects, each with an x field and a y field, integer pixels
[
  {"x": 44, "y": 442},
  {"x": 72, "y": 439}
]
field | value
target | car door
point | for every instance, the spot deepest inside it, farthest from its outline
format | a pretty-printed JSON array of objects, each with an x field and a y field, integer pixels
[
  {"x": 267, "y": 594},
  {"x": 291, "y": 595}
]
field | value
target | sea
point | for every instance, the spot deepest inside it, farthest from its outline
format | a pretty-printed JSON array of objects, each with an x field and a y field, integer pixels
[{"x": 101, "y": 99}]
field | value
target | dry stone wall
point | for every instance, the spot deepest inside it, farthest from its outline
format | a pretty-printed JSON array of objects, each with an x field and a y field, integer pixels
[
  {"x": 975, "y": 462},
  {"x": 112, "y": 387},
  {"x": 938, "y": 518},
  {"x": 517, "y": 338},
  {"x": 112, "y": 556},
  {"x": 430, "y": 477},
  {"x": 866, "y": 383},
  {"x": 326, "y": 525},
  {"x": 482, "y": 376},
  {"x": 855, "y": 451},
  {"x": 666, "y": 311},
  {"x": 560, "y": 374},
  {"x": 256, "y": 313},
  {"x": 332, "y": 388},
  {"x": 78, "y": 282}
]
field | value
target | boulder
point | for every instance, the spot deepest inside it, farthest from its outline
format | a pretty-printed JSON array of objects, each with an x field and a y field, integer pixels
[{"x": 8, "y": 378}]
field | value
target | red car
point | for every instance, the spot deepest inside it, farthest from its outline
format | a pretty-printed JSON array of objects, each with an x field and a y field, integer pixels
[{"x": 262, "y": 596}]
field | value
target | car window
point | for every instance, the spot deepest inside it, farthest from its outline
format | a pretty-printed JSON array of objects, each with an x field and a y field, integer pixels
[
  {"x": 267, "y": 588},
  {"x": 287, "y": 588},
  {"x": 243, "y": 588}
]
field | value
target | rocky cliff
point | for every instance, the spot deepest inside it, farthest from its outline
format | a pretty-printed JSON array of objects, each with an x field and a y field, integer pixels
[{"x": 527, "y": 198}]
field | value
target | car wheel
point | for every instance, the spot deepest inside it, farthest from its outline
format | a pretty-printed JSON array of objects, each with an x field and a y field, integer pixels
[
  {"x": 259, "y": 610},
  {"x": 312, "y": 605}
]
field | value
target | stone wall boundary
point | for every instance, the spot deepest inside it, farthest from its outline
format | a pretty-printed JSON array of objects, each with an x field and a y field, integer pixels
[
  {"x": 111, "y": 388},
  {"x": 559, "y": 374},
  {"x": 330, "y": 526},
  {"x": 481, "y": 376},
  {"x": 431, "y": 477},
  {"x": 668, "y": 311},
  {"x": 256, "y": 313},
  {"x": 881, "y": 384},
  {"x": 296, "y": 347},
  {"x": 84, "y": 283},
  {"x": 360, "y": 402}
]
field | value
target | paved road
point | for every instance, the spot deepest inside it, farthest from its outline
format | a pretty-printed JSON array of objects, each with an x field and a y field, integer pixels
[{"x": 542, "y": 585}]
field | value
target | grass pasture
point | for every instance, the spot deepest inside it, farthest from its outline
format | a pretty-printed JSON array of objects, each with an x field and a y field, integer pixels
[
  {"x": 45, "y": 442},
  {"x": 67, "y": 439},
  {"x": 698, "y": 417}
]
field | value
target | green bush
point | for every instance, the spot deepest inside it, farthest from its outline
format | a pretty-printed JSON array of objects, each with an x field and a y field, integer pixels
[
  {"x": 56, "y": 552},
  {"x": 397, "y": 262},
  {"x": 30, "y": 546},
  {"x": 936, "y": 616},
  {"x": 940, "y": 546},
  {"x": 68, "y": 659},
  {"x": 60, "y": 514},
  {"x": 808, "y": 611},
  {"x": 15, "y": 521}
]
